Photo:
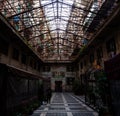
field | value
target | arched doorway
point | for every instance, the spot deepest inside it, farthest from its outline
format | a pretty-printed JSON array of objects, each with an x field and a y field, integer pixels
[{"x": 58, "y": 86}]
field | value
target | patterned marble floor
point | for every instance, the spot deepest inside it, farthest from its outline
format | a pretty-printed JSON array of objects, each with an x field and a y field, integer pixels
[{"x": 64, "y": 104}]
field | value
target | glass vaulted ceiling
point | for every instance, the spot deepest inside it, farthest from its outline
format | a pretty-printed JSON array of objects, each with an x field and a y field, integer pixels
[
  {"x": 57, "y": 14},
  {"x": 57, "y": 29}
]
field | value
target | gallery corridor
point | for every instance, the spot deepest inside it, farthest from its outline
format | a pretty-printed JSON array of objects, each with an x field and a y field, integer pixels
[{"x": 64, "y": 104}]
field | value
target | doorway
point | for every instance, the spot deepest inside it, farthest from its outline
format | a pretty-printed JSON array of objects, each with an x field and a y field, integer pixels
[{"x": 58, "y": 86}]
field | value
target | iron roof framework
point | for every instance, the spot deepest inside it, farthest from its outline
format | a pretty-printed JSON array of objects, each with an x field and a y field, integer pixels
[{"x": 56, "y": 29}]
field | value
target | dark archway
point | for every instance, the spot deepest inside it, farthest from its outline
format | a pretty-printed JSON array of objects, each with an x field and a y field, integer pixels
[{"x": 58, "y": 86}]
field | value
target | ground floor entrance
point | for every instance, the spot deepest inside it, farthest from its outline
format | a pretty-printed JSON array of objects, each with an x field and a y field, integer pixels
[{"x": 58, "y": 86}]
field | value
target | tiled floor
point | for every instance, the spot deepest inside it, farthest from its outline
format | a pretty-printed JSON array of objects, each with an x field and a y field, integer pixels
[{"x": 64, "y": 104}]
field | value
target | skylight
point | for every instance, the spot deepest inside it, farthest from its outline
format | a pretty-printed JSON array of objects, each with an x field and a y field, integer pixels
[
  {"x": 57, "y": 12},
  {"x": 57, "y": 29}
]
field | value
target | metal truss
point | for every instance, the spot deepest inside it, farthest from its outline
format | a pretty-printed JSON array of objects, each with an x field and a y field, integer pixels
[{"x": 55, "y": 28}]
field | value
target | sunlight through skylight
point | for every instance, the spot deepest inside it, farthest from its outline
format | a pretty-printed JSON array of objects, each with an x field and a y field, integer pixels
[
  {"x": 57, "y": 12},
  {"x": 57, "y": 29}
]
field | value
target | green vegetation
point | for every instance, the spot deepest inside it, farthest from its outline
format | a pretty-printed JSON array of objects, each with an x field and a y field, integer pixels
[
  {"x": 26, "y": 109},
  {"x": 78, "y": 89}
]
